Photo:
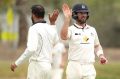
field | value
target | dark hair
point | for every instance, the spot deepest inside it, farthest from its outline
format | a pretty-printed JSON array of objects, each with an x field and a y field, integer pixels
[{"x": 38, "y": 11}]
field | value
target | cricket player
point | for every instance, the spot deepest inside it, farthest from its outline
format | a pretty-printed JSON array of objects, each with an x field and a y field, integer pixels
[
  {"x": 83, "y": 42},
  {"x": 59, "y": 59},
  {"x": 41, "y": 39}
]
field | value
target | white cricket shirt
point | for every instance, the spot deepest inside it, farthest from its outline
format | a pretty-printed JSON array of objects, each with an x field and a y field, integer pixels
[
  {"x": 41, "y": 39},
  {"x": 81, "y": 43}
]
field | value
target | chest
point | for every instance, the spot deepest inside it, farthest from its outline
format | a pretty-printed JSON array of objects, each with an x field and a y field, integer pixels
[{"x": 83, "y": 36}]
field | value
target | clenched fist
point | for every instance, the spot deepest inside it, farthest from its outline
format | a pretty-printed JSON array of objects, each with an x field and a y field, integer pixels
[
  {"x": 13, "y": 67},
  {"x": 103, "y": 60}
]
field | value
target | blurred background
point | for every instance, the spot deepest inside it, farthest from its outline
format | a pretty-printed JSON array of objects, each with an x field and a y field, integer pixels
[{"x": 15, "y": 19}]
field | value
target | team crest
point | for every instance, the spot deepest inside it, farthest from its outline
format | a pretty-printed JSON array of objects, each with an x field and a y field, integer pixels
[{"x": 85, "y": 39}]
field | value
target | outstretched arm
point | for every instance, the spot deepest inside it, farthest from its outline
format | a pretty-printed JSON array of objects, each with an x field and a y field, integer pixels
[{"x": 67, "y": 13}]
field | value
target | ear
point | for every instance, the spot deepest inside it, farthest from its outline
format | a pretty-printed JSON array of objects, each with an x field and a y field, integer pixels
[
  {"x": 87, "y": 17},
  {"x": 74, "y": 15}
]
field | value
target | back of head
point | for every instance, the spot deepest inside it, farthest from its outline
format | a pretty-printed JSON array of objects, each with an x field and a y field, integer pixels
[
  {"x": 38, "y": 11},
  {"x": 79, "y": 8}
]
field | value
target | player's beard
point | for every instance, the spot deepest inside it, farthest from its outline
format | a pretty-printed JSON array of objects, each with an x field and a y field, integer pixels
[
  {"x": 82, "y": 21},
  {"x": 32, "y": 20}
]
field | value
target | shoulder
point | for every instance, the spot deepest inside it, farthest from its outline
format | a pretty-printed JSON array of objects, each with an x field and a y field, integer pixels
[
  {"x": 40, "y": 26},
  {"x": 36, "y": 27},
  {"x": 91, "y": 27},
  {"x": 71, "y": 27},
  {"x": 51, "y": 28},
  {"x": 31, "y": 28}
]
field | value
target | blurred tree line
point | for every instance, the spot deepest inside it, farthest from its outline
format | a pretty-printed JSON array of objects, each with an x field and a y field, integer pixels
[{"x": 104, "y": 16}]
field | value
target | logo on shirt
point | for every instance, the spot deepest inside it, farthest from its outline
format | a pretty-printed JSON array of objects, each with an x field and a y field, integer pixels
[
  {"x": 85, "y": 39},
  {"x": 77, "y": 33}
]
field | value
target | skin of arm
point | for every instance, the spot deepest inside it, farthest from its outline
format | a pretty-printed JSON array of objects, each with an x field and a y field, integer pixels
[
  {"x": 67, "y": 13},
  {"x": 64, "y": 60}
]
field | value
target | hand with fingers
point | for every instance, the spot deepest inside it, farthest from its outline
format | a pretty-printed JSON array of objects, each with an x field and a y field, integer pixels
[
  {"x": 13, "y": 67},
  {"x": 67, "y": 11},
  {"x": 53, "y": 17}
]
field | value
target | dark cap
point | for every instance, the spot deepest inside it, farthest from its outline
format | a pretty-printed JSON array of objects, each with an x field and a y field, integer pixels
[{"x": 80, "y": 8}]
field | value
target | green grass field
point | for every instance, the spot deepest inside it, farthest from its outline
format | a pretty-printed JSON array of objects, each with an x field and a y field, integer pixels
[
  {"x": 6, "y": 73},
  {"x": 108, "y": 71}
]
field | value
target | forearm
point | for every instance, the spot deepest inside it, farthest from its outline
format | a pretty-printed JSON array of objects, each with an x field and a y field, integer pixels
[
  {"x": 23, "y": 57},
  {"x": 100, "y": 54},
  {"x": 64, "y": 60},
  {"x": 99, "y": 50},
  {"x": 64, "y": 30}
]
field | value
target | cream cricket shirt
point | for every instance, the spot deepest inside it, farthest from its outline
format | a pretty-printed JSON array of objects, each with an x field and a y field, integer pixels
[
  {"x": 81, "y": 43},
  {"x": 41, "y": 39}
]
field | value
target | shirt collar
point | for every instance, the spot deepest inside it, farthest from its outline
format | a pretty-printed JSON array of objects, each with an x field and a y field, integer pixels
[
  {"x": 80, "y": 27},
  {"x": 40, "y": 21}
]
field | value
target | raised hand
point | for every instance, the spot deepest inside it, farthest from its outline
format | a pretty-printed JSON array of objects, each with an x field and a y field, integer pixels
[
  {"x": 67, "y": 11},
  {"x": 53, "y": 17}
]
